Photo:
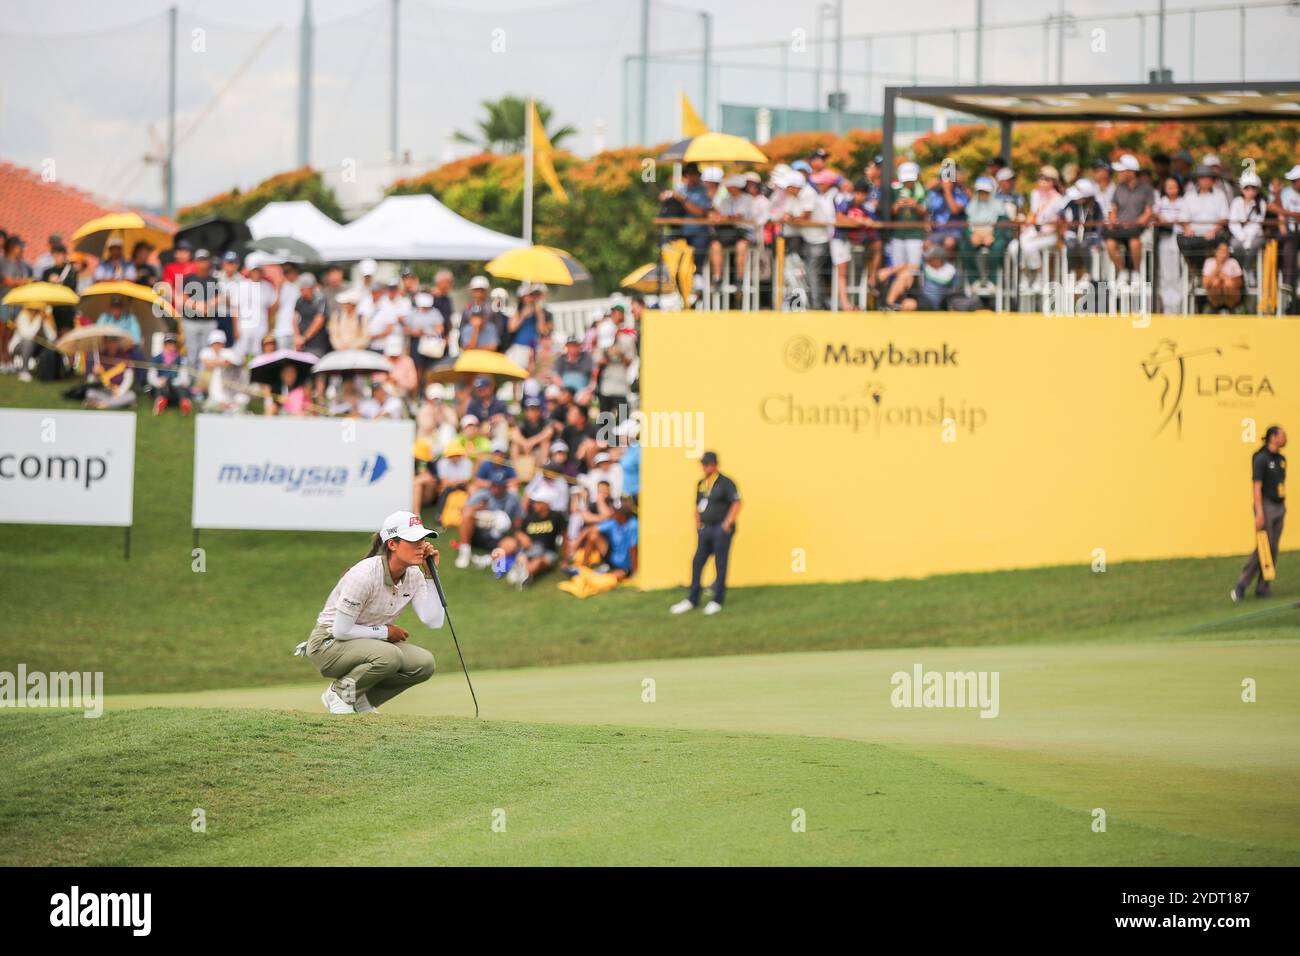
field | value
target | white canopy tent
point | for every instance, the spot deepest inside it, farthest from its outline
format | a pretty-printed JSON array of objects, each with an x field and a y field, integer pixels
[
  {"x": 403, "y": 228},
  {"x": 298, "y": 220}
]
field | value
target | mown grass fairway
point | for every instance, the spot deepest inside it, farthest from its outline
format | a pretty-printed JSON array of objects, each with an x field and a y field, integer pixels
[
  {"x": 1120, "y": 691},
  {"x": 303, "y": 789}
]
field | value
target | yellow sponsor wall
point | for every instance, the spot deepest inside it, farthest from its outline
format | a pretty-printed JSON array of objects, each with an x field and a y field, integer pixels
[{"x": 901, "y": 445}]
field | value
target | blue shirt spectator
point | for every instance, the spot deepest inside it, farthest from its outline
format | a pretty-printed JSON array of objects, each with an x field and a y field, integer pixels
[
  {"x": 631, "y": 462},
  {"x": 622, "y": 538},
  {"x": 119, "y": 318},
  {"x": 941, "y": 214}
]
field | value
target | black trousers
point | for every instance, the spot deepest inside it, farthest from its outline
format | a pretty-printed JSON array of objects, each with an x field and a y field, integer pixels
[{"x": 711, "y": 540}]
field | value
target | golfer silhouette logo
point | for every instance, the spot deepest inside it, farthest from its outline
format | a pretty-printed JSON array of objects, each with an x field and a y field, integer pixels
[
  {"x": 1168, "y": 366},
  {"x": 800, "y": 353}
]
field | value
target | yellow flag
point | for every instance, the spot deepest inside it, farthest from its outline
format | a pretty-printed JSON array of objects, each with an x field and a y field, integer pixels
[
  {"x": 692, "y": 125},
  {"x": 542, "y": 154}
]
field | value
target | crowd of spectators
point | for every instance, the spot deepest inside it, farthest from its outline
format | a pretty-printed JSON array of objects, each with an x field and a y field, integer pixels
[
  {"x": 537, "y": 474},
  {"x": 948, "y": 240}
]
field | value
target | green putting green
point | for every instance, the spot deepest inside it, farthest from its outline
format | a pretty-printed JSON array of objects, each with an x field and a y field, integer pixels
[
  {"x": 1153, "y": 733},
  {"x": 278, "y": 788}
]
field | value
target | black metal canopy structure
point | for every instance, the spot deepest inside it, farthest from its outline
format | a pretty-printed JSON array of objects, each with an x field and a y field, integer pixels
[{"x": 1149, "y": 102}]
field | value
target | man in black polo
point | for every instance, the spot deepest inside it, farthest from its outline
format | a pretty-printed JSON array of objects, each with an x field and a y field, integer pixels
[
  {"x": 1268, "y": 488},
  {"x": 717, "y": 502}
]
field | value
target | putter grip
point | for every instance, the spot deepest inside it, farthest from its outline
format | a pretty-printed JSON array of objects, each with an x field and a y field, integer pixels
[{"x": 433, "y": 573}]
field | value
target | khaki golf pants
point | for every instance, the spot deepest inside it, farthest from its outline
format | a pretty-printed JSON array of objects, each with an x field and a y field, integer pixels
[{"x": 379, "y": 669}]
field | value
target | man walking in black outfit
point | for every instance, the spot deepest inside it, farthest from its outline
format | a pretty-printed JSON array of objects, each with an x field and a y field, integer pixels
[
  {"x": 717, "y": 502},
  {"x": 1268, "y": 487}
]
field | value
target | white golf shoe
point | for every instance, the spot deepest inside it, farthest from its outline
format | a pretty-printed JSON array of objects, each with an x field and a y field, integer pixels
[
  {"x": 462, "y": 559},
  {"x": 363, "y": 705},
  {"x": 334, "y": 703},
  {"x": 713, "y": 607},
  {"x": 681, "y": 607}
]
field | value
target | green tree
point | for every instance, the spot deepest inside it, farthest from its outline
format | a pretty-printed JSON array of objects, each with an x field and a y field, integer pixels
[{"x": 502, "y": 129}]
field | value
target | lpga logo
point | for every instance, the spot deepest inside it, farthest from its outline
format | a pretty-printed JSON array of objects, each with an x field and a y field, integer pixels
[{"x": 306, "y": 479}]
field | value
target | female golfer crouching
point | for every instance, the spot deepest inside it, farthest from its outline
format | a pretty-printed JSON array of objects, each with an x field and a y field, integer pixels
[{"x": 355, "y": 641}]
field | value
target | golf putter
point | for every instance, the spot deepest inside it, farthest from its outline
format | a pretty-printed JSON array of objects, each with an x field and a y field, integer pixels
[
  {"x": 1266, "y": 568},
  {"x": 433, "y": 573}
]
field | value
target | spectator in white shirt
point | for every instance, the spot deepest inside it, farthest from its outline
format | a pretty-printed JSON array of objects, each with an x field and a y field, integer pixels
[
  {"x": 381, "y": 404},
  {"x": 253, "y": 299},
  {"x": 1205, "y": 212},
  {"x": 1287, "y": 209},
  {"x": 603, "y": 469},
  {"x": 1222, "y": 184},
  {"x": 367, "y": 288},
  {"x": 1223, "y": 279},
  {"x": 1169, "y": 213},
  {"x": 736, "y": 208},
  {"x": 287, "y": 303},
  {"x": 387, "y": 323},
  {"x": 1246, "y": 220}
]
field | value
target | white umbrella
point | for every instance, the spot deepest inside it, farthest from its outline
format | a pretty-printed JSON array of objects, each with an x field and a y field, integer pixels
[{"x": 346, "y": 361}]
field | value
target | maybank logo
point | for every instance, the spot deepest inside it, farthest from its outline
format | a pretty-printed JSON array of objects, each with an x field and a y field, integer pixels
[
  {"x": 801, "y": 354},
  {"x": 306, "y": 479}
]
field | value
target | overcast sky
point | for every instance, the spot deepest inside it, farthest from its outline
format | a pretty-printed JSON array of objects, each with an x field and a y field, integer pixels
[{"x": 84, "y": 82}]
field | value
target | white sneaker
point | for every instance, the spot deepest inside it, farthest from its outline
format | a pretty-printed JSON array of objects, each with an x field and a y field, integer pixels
[
  {"x": 363, "y": 705},
  {"x": 681, "y": 607},
  {"x": 24, "y": 376},
  {"x": 517, "y": 574},
  {"x": 713, "y": 607},
  {"x": 479, "y": 561},
  {"x": 462, "y": 559},
  {"x": 334, "y": 703}
]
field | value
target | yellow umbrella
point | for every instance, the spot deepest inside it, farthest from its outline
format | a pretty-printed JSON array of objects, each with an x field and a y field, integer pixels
[
  {"x": 131, "y": 227},
  {"x": 651, "y": 278},
  {"x": 91, "y": 338},
  {"x": 713, "y": 148},
  {"x": 479, "y": 362},
  {"x": 41, "y": 293},
  {"x": 152, "y": 311},
  {"x": 538, "y": 264}
]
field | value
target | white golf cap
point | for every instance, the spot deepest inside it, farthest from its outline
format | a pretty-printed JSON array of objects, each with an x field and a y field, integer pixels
[
  {"x": 1250, "y": 179},
  {"x": 795, "y": 180},
  {"x": 1209, "y": 159},
  {"x": 600, "y": 458},
  {"x": 711, "y": 174},
  {"x": 908, "y": 173},
  {"x": 480, "y": 282},
  {"x": 1085, "y": 188},
  {"x": 736, "y": 181},
  {"x": 424, "y": 300},
  {"x": 216, "y": 337},
  {"x": 368, "y": 267},
  {"x": 1005, "y": 173},
  {"x": 348, "y": 297},
  {"x": 405, "y": 525},
  {"x": 468, "y": 420},
  {"x": 1126, "y": 162},
  {"x": 1293, "y": 173}
]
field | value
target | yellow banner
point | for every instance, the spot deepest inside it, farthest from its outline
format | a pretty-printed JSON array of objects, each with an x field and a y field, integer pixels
[
  {"x": 542, "y": 154},
  {"x": 905, "y": 444}
]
